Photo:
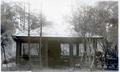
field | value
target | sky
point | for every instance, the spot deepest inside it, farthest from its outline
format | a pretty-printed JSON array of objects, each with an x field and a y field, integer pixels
[{"x": 57, "y": 11}]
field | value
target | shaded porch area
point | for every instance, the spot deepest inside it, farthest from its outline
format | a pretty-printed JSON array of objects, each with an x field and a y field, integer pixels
[{"x": 57, "y": 52}]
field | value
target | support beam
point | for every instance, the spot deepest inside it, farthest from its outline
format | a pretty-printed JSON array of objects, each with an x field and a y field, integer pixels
[
  {"x": 18, "y": 52},
  {"x": 71, "y": 54},
  {"x": 77, "y": 46},
  {"x": 85, "y": 49},
  {"x": 46, "y": 53},
  {"x": 95, "y": 49}
]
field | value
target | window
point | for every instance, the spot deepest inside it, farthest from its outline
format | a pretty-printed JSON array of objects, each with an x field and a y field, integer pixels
[
  {"x": 74, "y": 49},
  {"x": 24, "y": 48},
  {"x": 34, "y": 48},
  {"x": 99, "y": 47},
  {"x": 90, "y": 49},
  {"x": 65, "y": 49},
  {"x": 81, "y": 49}
]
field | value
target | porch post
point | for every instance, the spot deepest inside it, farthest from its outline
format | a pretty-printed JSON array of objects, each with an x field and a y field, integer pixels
[
  {"x": 95, "y": 48},
  {"x": 18, "y": 51},
  {"x": 46, "y": 53},
  {"x": 71, "y": 55},
  {"x": 77, "y": 45},
  {"x": 85, "y": 52}
]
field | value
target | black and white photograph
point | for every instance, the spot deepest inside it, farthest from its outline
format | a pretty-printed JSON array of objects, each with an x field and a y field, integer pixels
[{"x": 59, "y": 36}]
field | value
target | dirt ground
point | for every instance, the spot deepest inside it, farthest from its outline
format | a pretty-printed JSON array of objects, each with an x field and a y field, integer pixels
[{"x": 26, "y": 68}]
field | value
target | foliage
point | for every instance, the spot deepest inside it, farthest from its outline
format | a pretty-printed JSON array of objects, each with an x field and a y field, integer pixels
[
  {"x": 112, "y": 7},
  {"x": 90, "y": 21},
  {"x": 101, "y": 20},
  {"x": 15, "y": 16}
]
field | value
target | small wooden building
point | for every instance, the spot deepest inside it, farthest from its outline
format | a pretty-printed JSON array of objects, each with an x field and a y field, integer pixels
[{"x": 56, "y": 51}]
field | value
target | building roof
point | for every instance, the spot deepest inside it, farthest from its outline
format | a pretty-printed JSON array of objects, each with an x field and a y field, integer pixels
[{"x": 61, "y": 39}]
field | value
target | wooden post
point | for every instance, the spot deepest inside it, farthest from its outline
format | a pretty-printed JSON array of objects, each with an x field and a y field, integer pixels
[
  {"x": 84, "y": 55},
  {"x": 77, "y": 46},
  {"x": 95, "y": 48},
  {"x": 71, "y": 55},
  {"x": 18, "y": 48},
  {"x": 46, "y": 53},
  {"x": 40, "y": 52}
]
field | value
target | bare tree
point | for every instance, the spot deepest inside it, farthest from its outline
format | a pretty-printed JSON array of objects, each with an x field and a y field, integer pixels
[
  {"x": 93, "y": 21},
  {"x": 14, "y": 16}
]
